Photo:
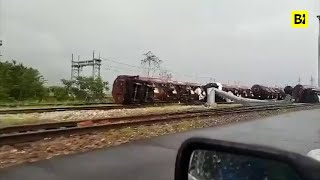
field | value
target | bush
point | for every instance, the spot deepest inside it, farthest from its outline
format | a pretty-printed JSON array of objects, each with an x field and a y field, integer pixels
[{"x": 20, "y": 83}]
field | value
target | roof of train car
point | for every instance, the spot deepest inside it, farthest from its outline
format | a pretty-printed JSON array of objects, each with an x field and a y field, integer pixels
[
  {"x": 157, "y": 80},
  {"x": 307, "y": 87},
  {"x": 235, "y": 86}
]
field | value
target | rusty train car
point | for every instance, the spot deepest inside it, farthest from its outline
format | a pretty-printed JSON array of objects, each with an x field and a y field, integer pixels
[
  {"x": 288, "y": 90},
  {"x": 142, "y": 90},
  {"x": 306, "y": 94},
  {"x": 237, "y": 90},
  {"x": 263, "y": 92}
]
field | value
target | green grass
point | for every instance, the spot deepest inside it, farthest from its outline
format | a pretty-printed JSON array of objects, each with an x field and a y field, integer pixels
[
  {"x": 52, "y": 103},
  {"x": 17, "y": 119}
]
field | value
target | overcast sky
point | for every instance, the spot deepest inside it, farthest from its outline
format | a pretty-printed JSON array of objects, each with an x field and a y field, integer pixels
[{"x": 249, "y": 41}]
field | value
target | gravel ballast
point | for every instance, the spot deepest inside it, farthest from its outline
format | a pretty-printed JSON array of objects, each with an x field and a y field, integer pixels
[
  {"x": 58, "y": 116},
  {"x": 48, "y": 148}
]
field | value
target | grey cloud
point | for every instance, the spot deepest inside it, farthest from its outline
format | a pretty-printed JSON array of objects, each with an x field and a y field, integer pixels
[{"x": 248, "y": 41}]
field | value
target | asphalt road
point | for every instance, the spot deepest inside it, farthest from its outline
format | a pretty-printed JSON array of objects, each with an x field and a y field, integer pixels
[{"x": 154, "y": 159}]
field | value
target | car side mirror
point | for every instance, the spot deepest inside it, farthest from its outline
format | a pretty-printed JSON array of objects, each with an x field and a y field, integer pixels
[{"x": 208, "y": 159}]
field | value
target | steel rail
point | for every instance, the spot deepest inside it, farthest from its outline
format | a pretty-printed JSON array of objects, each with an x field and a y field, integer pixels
[
  {"x": 68, "y": 124},
  {"x": 22, "y": 137},
  {"x": 86, "y": 107},
  {"x": 53, "y": 104},
  {"x": 57, "y": 108},
  {"x": 103, "y": 106}
]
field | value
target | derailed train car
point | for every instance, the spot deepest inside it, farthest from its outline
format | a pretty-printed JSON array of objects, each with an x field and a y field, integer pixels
[
  {"x": 306, "y": 94},
  {"x": 142, "y": 90},
  {"x": 288, "y": 90},
  {"x": 263, "y": 92},
  {"x": 237, "y": 90}
]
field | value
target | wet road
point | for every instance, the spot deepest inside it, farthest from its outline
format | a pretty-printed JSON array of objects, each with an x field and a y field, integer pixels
[{"x": 154, "y": 159}]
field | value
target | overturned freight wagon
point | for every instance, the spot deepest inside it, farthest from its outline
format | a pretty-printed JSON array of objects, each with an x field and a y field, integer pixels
[
  {"x": 237, "y": 90},
  {"x": 143, "y": 90},
  {"x": 288, "y": 90},
  {"x": 306, "y": 94},
  {"x": 263, "y": 92}
]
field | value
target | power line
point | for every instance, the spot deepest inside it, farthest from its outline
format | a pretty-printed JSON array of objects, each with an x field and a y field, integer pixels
[
  {"x": 116, "y": 67},
  {"x": 129, "y": 65},
  {"x": 170, "y": 71},
  {"x": 122, "y": 63}
]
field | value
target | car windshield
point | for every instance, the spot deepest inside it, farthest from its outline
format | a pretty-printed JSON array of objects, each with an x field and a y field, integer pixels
[{"x": 76, "y": 76}]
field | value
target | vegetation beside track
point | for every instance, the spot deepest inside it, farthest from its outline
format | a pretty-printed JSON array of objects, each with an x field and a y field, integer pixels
[
  {"x": 33, "y": 104},
  {"x": 21, "y": 85}
]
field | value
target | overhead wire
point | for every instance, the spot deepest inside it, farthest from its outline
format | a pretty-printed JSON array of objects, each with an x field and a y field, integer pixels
[{"x": 143, "y": 68}]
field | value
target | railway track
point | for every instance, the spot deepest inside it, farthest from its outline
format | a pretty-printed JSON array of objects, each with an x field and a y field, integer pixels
[
  {"x": 106, "y": 106},
  {"x": 26, "y": 133},
  {"x": 73, "y": 108},
  {"x": 52, "y": 104},
  {"x": 53, "y": 109}
]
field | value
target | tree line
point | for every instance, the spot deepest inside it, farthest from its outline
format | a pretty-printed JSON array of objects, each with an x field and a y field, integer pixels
[{"x": 19, "y": 83}]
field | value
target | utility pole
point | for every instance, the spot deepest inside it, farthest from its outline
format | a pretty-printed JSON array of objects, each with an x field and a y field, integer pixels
[
  {"x": 311, "y": 81},
  {"x": 299, "y": 80},
  {"x": 77, "y": 66},
  {"x": 319, "y": 52},
  {"x": 151, "y": 61},
  {"x": 0, "y": 46},
  {"x": 93, "y": 70},
  {"x": 72, "y": 69}
]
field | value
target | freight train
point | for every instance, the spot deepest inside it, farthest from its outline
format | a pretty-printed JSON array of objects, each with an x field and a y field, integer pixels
[{"x": 143, "y": 90}]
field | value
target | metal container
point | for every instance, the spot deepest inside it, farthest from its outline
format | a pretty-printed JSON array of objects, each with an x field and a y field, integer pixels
[
  {"x": 306, "y": 94},
  {"x": 238, "y": 90},
  {"x": 288, "y": 90},
  {"x": 264, "y": 92},
  {"x": 140, "y": 90}
]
